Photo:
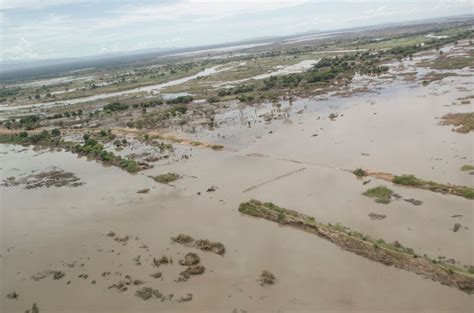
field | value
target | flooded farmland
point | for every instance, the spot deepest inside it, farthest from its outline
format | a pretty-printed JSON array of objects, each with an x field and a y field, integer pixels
[{"x": 134, "y": 207}]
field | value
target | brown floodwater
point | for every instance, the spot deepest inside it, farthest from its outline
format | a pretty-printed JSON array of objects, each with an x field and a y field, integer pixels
[{"x": 394, "y": 129}]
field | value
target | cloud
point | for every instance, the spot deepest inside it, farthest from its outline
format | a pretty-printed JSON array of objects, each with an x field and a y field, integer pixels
[
  {"x": 199, "y": 10},
  {"x": 36, "y": 28},
  {"x": 22, "y": 50},
  {"x": 38, "y": 4}
]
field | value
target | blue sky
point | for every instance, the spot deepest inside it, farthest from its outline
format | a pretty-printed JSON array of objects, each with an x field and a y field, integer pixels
[{"x": 48, "y": 29}]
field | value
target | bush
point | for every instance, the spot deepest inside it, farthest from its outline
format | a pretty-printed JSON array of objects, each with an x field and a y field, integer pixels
[
  {"x": 180, "y": 100},
  {"x": 116, "y": 106},
  {"x": 55, "y": 132}
]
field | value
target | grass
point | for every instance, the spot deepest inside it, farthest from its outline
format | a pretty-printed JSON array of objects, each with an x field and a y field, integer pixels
[
  {"x": 447, "y": 63},
  {"x": 467, "y": 167},
  {"x": 391, "y": 254},
  {"x": 166, "y": 178},
  {"x": 381, "y": 194},
  {"x": 411, "y": 180},
  {"x": 407, "y": 180}
]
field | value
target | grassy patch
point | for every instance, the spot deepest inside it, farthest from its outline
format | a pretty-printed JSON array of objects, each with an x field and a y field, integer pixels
[
  {"x": 166, "y": 178},
  {"x": 463, "y": 122},
  {"x": 381, "y": 194},
  {"x": 448, "y": 63},
  {"x": 467, "y": 167},
  {"x": 411, "y": 180},
  {"x": 407, "y": 180},
  {"x": 431, "y": 77}
]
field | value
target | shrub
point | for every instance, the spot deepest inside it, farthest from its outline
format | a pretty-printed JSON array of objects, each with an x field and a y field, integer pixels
[
  {"x": 55, "y": 132},
  {"x": 115, "y": 106}
]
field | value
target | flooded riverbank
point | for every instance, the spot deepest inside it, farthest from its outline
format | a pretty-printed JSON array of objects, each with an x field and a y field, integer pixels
[{"x": 396, "y": 120}]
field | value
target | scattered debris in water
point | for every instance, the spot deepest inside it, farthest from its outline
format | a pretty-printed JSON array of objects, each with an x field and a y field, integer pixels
[
  {"x": 414, "y": 201},
  {"x": 267, "y": 278},
  {"x": 376, "y": 217},
  {"x": 202, "y": 244},
  {"x": 456, "y": 227},
  {"x": 146, "y": 293},
  {"x": 49, "y": 178},
  {"x": 12, "y": 295}
]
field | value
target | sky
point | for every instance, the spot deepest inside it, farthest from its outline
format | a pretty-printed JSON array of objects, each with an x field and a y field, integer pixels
[{"x": 51, "y": 29}]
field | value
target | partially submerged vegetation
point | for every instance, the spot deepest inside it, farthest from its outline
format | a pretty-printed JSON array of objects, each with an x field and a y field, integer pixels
[
  {"x": 202, "y": 244},
  {"x": 267, "y": 278},
  {"x": 450, "y": 63},
  {"x": 54, "y": 177},
  {"x": 166, "y": 178},
  {"x": 467, "y": 167},
  {"x": 463, "y": 122},
  {"x": 391, "y": 254},
  {"x": 415, "y": 182},
  {"x": 381, "y": 194},
  {"x": 411, "y": 180},
  {"x": 91, "y": 148},
  {"x": 359, "y": 172}
]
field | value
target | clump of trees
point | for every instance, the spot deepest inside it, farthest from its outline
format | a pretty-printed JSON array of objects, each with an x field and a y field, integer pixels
[
  {"x": 180, "y": 100},
  {"x": 26, "y": 122},
  {"x": 115, "y": 106}
]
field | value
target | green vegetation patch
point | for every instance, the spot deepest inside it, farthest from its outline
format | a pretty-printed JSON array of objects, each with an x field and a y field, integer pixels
[
  {"x": 455, "y": 62},
  {"x": 115, "y": 106},
  {"x": 91, "y": 148},
  {"x": 467, "y": 167},
  {"x": 381, "y": 194},
  {"x": 411, "y": 180},
  {"x": 166, "y": 178},
  {"x": 407, "y": 180}
]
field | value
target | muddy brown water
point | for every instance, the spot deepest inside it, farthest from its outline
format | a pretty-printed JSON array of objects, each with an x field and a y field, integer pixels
[{"x": 43, "y": 228}]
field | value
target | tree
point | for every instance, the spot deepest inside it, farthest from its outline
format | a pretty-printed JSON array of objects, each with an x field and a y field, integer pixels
[{"x": 55, "y": 132}]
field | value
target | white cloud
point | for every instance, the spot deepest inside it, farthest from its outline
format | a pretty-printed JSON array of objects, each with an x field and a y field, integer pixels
[
  {"x": 37, "y": 4},
  {"x": 201, "y": 10},
  {"x": 39, "y": 27}
]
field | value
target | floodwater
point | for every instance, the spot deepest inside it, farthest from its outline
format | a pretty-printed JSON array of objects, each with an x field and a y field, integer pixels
[
  {"x": 393, "y": 129},
  {"x": 148, "y": 89},
  {"x": 279, "y": 70}
]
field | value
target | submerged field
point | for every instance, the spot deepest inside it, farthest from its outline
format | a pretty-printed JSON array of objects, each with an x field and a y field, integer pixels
[{"x": 134, "y": 206}]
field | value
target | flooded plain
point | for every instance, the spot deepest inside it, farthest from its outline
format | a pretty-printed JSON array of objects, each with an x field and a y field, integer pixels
[
  {"x": 293, "y": 155},
  {"x": 152, "y": 89}
]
